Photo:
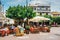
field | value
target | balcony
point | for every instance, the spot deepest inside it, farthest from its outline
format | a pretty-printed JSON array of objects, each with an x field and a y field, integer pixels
[{"x": 41, "y": 10}]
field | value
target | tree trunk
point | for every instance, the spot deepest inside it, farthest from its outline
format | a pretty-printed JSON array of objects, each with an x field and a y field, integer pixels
[
  {"x": 21, "y": 21},
  {"x": 27, "y": 22},
  {"x": 15, "y": 22}
]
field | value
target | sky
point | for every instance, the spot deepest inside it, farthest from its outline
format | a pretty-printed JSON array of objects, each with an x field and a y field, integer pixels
[{"x": 55, "y": 4}]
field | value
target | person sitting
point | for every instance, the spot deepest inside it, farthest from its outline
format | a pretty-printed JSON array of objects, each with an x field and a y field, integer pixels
[
  {"x": 5, "y": 31},
  {"x": 44, "y": 25},
  {"x": 17, "y": 31},
  {"x": 22, "y": 30},
  {"x": 12, "y": 28},
  {"x": 41, "y": 25}
]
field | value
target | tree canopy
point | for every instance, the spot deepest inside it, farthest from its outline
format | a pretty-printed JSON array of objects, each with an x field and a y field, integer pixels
[
  {"x": 19, "y": 12},
  {"x": 56, "y": 19},
  {"x": 48, "y": 16}
]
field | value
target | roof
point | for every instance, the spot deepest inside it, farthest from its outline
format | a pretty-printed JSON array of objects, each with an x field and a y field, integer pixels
[
  {"x": 55, "y": 12},
  {"x": 38, "y": 3}
]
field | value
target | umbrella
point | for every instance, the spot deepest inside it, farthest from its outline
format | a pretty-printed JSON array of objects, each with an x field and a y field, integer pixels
[
  {"x": 10, "y": 21},
  {"x": 38, "y": 18}
]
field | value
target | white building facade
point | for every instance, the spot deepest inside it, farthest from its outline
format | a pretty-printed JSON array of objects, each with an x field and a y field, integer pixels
[
  {"x": 0, "y": 6},
  {"x": 2, "y": 17},
  {"x": 40, "y": 8}
]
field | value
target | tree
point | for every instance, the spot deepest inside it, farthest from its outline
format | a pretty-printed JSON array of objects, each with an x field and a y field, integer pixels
[
  {"x": 20, "y": 13},
  {"x": 56, "y": 19},
  {"x": 48, "y": 16}
]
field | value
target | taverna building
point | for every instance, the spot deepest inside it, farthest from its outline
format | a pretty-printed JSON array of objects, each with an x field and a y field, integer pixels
[{"x": 41, "y": 8}]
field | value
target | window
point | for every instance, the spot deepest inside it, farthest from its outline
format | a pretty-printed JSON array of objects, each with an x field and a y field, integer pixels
[
  {"x": 48, "y": 9},
  {"x": 38, "y": 9},
  {"x": 40, "y": 13},
  {"x": 46, "y": 13},
  {"x": 43, "y": 8},
  {"x": 34, "y": 8}
]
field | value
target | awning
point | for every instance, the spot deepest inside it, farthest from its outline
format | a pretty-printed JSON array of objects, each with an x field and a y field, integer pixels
[{"x": 38, "y": 18}]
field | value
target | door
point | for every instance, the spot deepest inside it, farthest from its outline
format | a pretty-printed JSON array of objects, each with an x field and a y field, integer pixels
[{"x": 0, "y": 23}]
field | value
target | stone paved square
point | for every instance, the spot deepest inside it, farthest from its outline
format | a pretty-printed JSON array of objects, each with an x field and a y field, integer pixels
[{"x": 53, "y": 35}]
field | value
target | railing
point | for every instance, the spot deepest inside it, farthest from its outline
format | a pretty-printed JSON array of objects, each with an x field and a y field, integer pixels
[{"x": 41, "y": 11}]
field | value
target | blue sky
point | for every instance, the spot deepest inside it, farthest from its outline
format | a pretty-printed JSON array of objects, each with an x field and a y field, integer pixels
[{"x": 55, "y": 4}]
